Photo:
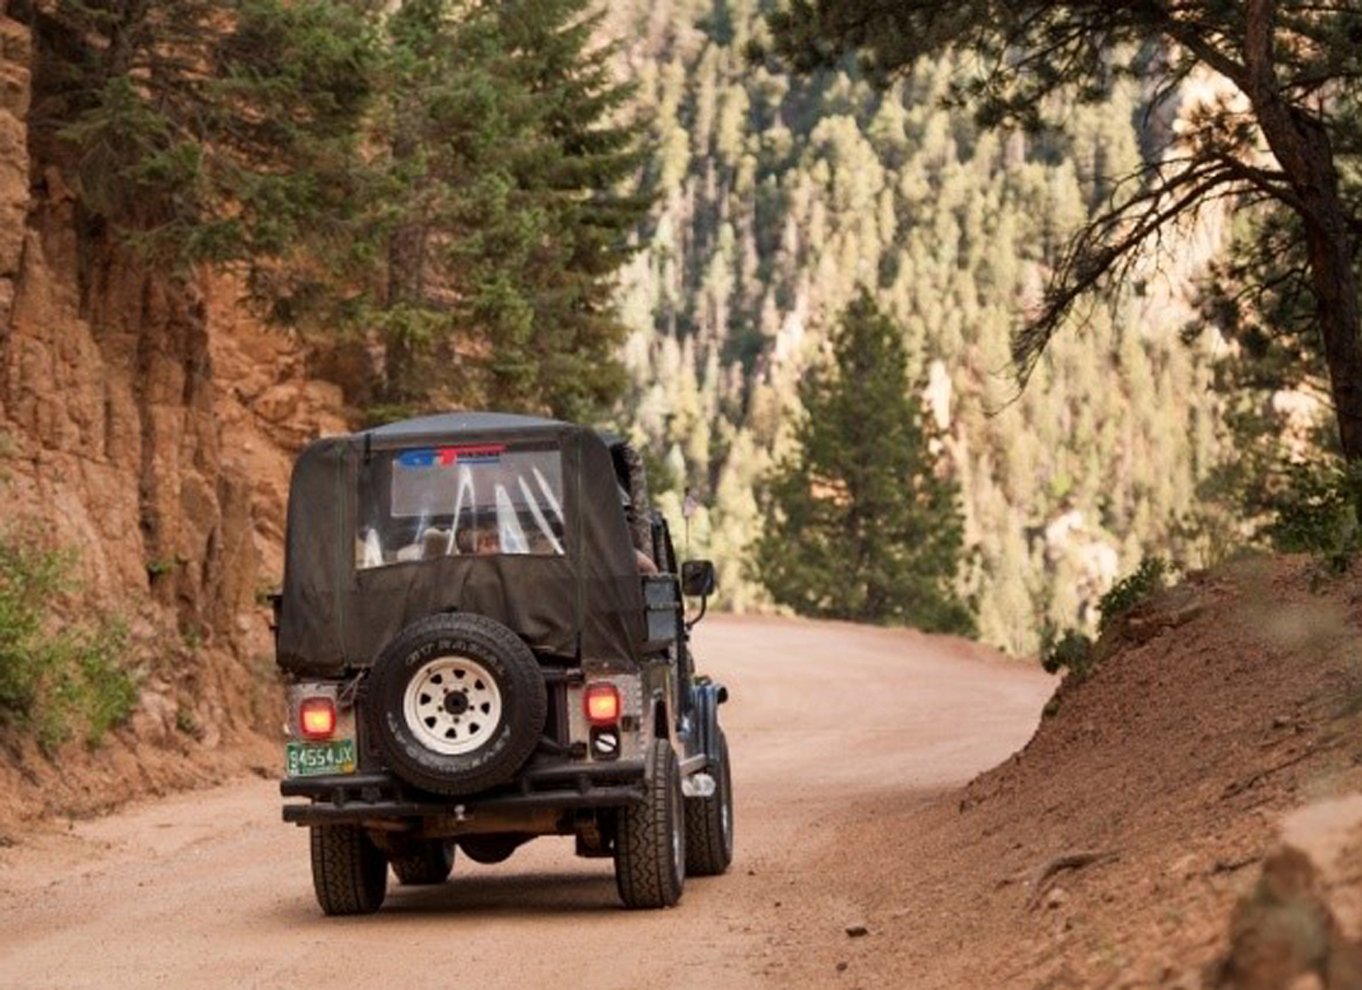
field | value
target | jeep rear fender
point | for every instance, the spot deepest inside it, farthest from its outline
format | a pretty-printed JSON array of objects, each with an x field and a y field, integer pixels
[{"x": 706, "y": 697}]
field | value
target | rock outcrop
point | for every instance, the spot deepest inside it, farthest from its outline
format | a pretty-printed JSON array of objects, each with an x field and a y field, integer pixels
[
  {"x": 1290, "y": 928},
  {"x": 14, "y": 100},
  {"x": 147, "y": 423}
]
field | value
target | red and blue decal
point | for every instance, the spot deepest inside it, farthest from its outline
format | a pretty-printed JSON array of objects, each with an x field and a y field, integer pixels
[{"x": 428, "y": 457}]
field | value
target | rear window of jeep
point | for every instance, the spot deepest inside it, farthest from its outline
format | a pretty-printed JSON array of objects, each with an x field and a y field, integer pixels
[{"x": 460, "y": 499}]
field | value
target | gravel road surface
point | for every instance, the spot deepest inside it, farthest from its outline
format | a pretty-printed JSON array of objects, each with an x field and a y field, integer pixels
[{"x": 210, "y": 889}]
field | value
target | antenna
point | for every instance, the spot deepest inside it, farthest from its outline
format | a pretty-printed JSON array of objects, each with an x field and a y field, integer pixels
[{"x": 688, "y": 508}]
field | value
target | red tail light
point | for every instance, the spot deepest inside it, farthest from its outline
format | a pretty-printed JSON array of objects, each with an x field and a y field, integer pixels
[
  {"x": 317, "y": 718},
  {"x": 602, "y": 703}
]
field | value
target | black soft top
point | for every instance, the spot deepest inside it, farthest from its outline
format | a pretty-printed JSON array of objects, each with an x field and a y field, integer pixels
[
  {"x": 463, "y": 425},
  {"x": 586, "y": 603}
]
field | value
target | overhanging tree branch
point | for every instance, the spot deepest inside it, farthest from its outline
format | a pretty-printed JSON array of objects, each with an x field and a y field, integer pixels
[
  {"x": 1107, "y": 248},
  {"x": 1293, "y": 62}
]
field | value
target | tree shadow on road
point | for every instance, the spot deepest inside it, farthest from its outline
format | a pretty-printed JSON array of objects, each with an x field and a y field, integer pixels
[
  {"x": 506, "y": 895},
  {"x": 518, "y": 894}
]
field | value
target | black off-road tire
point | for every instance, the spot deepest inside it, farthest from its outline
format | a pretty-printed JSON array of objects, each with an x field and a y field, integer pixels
[
  {"x": 349, "y": 872},
  {"x": 650, "y": 858},
  {"x": 709, "y": 820},
  {"x": 424, "y": 864},
  {"x": 518, "y": 679}
]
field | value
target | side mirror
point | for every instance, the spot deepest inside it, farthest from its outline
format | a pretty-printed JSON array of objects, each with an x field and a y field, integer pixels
[{"x": 697, "y": 578}]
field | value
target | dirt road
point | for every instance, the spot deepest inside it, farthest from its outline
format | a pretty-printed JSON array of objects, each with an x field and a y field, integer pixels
[{"x": 212, "y": 890}]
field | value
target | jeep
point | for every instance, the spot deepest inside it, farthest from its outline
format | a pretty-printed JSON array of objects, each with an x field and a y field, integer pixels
[{"x": 483, "y": 633}]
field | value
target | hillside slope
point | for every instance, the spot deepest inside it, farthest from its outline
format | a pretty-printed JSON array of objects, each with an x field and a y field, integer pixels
[
  {"x": 1163, "y": 779},
  {"x": 780, "y": 195},
  {"x": 147, "y": 427}
]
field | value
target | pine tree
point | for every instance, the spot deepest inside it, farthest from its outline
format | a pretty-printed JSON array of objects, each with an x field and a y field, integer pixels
[
  {"x": 861, "y": 523},
  {"x": 502, "y": 220},
  {"x": 573, "y": 176},
  {"x": 435, "y": 181},
  {"x": 207, "y": 130},
  {"x": 832, "y": 184}
]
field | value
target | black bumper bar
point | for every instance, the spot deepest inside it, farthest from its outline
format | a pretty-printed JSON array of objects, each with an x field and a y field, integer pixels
[{"x": 368, "y": 796}]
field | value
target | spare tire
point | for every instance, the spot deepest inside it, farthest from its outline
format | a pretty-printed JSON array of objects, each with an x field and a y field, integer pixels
[{"x": 456, "y": 703}]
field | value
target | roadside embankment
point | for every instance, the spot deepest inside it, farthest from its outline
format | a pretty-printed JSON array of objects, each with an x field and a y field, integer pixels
[{"x": 1113, "y": 848}]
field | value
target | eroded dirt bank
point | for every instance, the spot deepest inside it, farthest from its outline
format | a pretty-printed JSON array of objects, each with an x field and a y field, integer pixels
[
  {"x": 147, "y": 426},
  {"x": 1111, "y": 851}
]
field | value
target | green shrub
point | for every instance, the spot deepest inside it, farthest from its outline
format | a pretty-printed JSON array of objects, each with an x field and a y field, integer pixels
[
  {"x": 1132, "y": 589},
  {"x": 1075, "y": 651},
  {"x": 1072, "y": 651},
  {"x": 160, "y": 567},
  {"x": 1316, "y": 511},
  {"x": 28, "y": 579},
  {"x": 187, "y": 722},
  {"x": 57, "y": 678}
]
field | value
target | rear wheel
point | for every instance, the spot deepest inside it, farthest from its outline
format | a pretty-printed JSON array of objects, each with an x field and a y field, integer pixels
[
  {"x": 424, "y": 863},
  {"x": 650, "y": 859},
  {"x": 709, "y": 820},
  {"x": 349, "y": 872}
]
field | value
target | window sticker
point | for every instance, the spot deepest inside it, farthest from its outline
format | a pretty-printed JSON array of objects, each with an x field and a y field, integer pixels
[{"x": 445, "y": 457}]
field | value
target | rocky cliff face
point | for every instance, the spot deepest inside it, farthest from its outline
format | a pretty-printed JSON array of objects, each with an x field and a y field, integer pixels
[
  {"x": 14, "y": 99},
  {"x": 148, "y": 424}
]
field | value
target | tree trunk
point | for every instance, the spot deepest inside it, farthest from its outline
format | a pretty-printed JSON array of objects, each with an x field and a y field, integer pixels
[
  {"x": 1303, "y": 149},
  {"x": 406, "y": 252},
  {"x": 1333, "y": 280},
  {"x": 406, "y": 274}
]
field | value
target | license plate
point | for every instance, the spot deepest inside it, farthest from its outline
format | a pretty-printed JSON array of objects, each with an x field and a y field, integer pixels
[{"x": 314, "y": 759}]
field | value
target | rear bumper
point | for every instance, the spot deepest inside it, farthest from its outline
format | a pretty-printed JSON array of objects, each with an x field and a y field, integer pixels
[{"x": 374, "y": 796}]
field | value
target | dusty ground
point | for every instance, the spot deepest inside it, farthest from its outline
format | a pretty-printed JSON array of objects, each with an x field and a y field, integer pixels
[
  {"x": 1228, "y": 703},
  {"x": 210, "y": 890},
  {"x": 1227, "y": 710}
]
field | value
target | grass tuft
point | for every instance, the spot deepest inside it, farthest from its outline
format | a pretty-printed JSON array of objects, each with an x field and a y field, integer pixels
[{"x": 58, "y": 678}]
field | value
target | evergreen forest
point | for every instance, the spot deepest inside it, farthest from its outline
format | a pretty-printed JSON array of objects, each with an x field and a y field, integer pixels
[
  {"x": 781, "y": 196},
  {"x": 636, "y": 214}
]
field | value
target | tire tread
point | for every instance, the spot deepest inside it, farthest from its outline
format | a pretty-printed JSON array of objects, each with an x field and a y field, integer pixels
[
  {"x": 425, "y": 865},
  {"x": 643, "y": 871},
  {"x": 349, "y": 873},
  {"x": 707, "y": 855},
  {"x": 532, "y": 701}
]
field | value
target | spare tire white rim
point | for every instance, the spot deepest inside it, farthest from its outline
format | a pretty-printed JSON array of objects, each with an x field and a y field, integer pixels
[{"x": 452, "y": 705}]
